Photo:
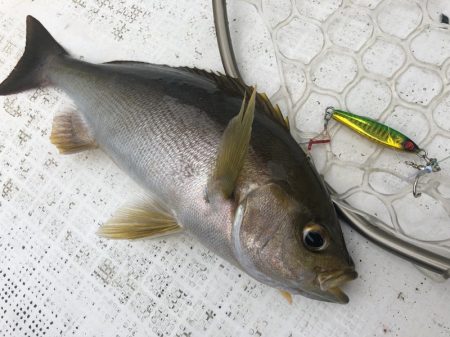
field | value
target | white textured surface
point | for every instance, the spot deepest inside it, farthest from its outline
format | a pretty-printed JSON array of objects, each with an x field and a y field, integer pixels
[{"x": 384, "y": 59}]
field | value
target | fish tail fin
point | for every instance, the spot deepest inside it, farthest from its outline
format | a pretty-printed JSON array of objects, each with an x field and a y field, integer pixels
[{"x": 29, "y": 72}]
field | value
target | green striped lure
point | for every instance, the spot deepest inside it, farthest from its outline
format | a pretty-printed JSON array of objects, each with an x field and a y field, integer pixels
[
  {"x": 374, "y": 130},
  {"x": 382, "y": 134}
]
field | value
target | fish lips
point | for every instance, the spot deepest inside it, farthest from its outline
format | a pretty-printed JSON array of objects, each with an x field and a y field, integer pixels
[{"x": 330, "y": 282}]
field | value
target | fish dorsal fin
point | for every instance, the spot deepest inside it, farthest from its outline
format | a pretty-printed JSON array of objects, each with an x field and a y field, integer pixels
[
  {"x": 232, "y": 151},
  {"x": 233, "y": 86},
  {"x": 146, "y": 218},
  {"x": 237, "y": 87}
]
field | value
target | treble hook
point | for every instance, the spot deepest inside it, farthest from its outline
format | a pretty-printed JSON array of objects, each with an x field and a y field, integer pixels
[
  {"x": 425, "y": 170},
  {"x": 432, "y": 165}
]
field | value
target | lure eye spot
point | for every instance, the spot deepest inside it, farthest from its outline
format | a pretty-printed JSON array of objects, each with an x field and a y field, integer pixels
[{"x": 409, "y": 145}]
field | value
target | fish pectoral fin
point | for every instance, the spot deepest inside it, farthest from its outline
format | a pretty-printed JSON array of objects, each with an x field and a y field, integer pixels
[
  {"x": 233, "y": 150},
  {"x": 147, "y": 218},
  {"x": 287, "y": 295},
  {"x": 70, "y": 133}
]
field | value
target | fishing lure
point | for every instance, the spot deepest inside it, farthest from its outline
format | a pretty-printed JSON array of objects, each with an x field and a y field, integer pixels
[
  {"x": 373, "y": 130},
  {"x": 382, "y": 134}
]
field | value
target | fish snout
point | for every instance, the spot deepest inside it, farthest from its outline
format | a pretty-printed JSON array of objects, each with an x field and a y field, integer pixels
[
  {"x": 330, "y": 282},
  {"x": 335, "y": 278}
]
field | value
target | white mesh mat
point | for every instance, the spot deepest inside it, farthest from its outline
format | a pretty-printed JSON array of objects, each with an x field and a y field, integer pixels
[{"x": 382, "y": 59}]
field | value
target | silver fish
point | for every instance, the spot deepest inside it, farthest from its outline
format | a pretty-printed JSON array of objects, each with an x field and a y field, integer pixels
[{"x": 220, "y": 166}]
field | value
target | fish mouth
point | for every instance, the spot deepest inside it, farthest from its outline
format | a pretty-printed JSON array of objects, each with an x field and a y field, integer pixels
[{"x": 331, "y": 281}]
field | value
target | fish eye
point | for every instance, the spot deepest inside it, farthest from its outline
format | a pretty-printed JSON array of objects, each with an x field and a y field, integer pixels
[{"x": 315, "y": 237}]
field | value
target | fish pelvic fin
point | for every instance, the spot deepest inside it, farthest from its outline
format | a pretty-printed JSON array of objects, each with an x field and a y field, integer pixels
[
  {"x": 70, "y": 133},
  {"x": 286, "y": 295},
  {"x": 233, "y": 150},
  {"x": 40, "y": 49},
  {"x": 147, "y": 218}
]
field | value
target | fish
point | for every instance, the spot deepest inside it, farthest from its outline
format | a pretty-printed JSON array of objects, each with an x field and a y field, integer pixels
[{"x": 214, "y": 157}]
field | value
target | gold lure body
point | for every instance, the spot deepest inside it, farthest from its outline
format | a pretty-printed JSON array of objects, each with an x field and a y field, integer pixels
[{"x": 375, "y": 131}]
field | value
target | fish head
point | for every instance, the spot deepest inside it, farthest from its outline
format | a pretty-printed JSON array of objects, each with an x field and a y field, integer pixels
[{"x": 282, "y": 243}]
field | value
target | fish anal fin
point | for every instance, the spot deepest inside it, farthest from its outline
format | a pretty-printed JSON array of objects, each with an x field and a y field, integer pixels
[
  {"x": 70, "y": 133},
  {"x": 147, "y": 218},
  {"x": 232, "y": 150},
  {"x": 286, "y": 295}
]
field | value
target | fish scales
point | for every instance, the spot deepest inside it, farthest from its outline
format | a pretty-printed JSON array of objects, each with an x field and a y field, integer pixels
[{"x": 160, "y": 136}]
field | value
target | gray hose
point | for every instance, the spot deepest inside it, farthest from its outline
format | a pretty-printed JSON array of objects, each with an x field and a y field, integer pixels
[{"x": 419, "y": 256}]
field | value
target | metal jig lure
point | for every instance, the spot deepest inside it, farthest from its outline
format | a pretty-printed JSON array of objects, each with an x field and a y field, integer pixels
[
  {"x": 382, "y": 134},
  {"x": 372, "y": 130}
]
